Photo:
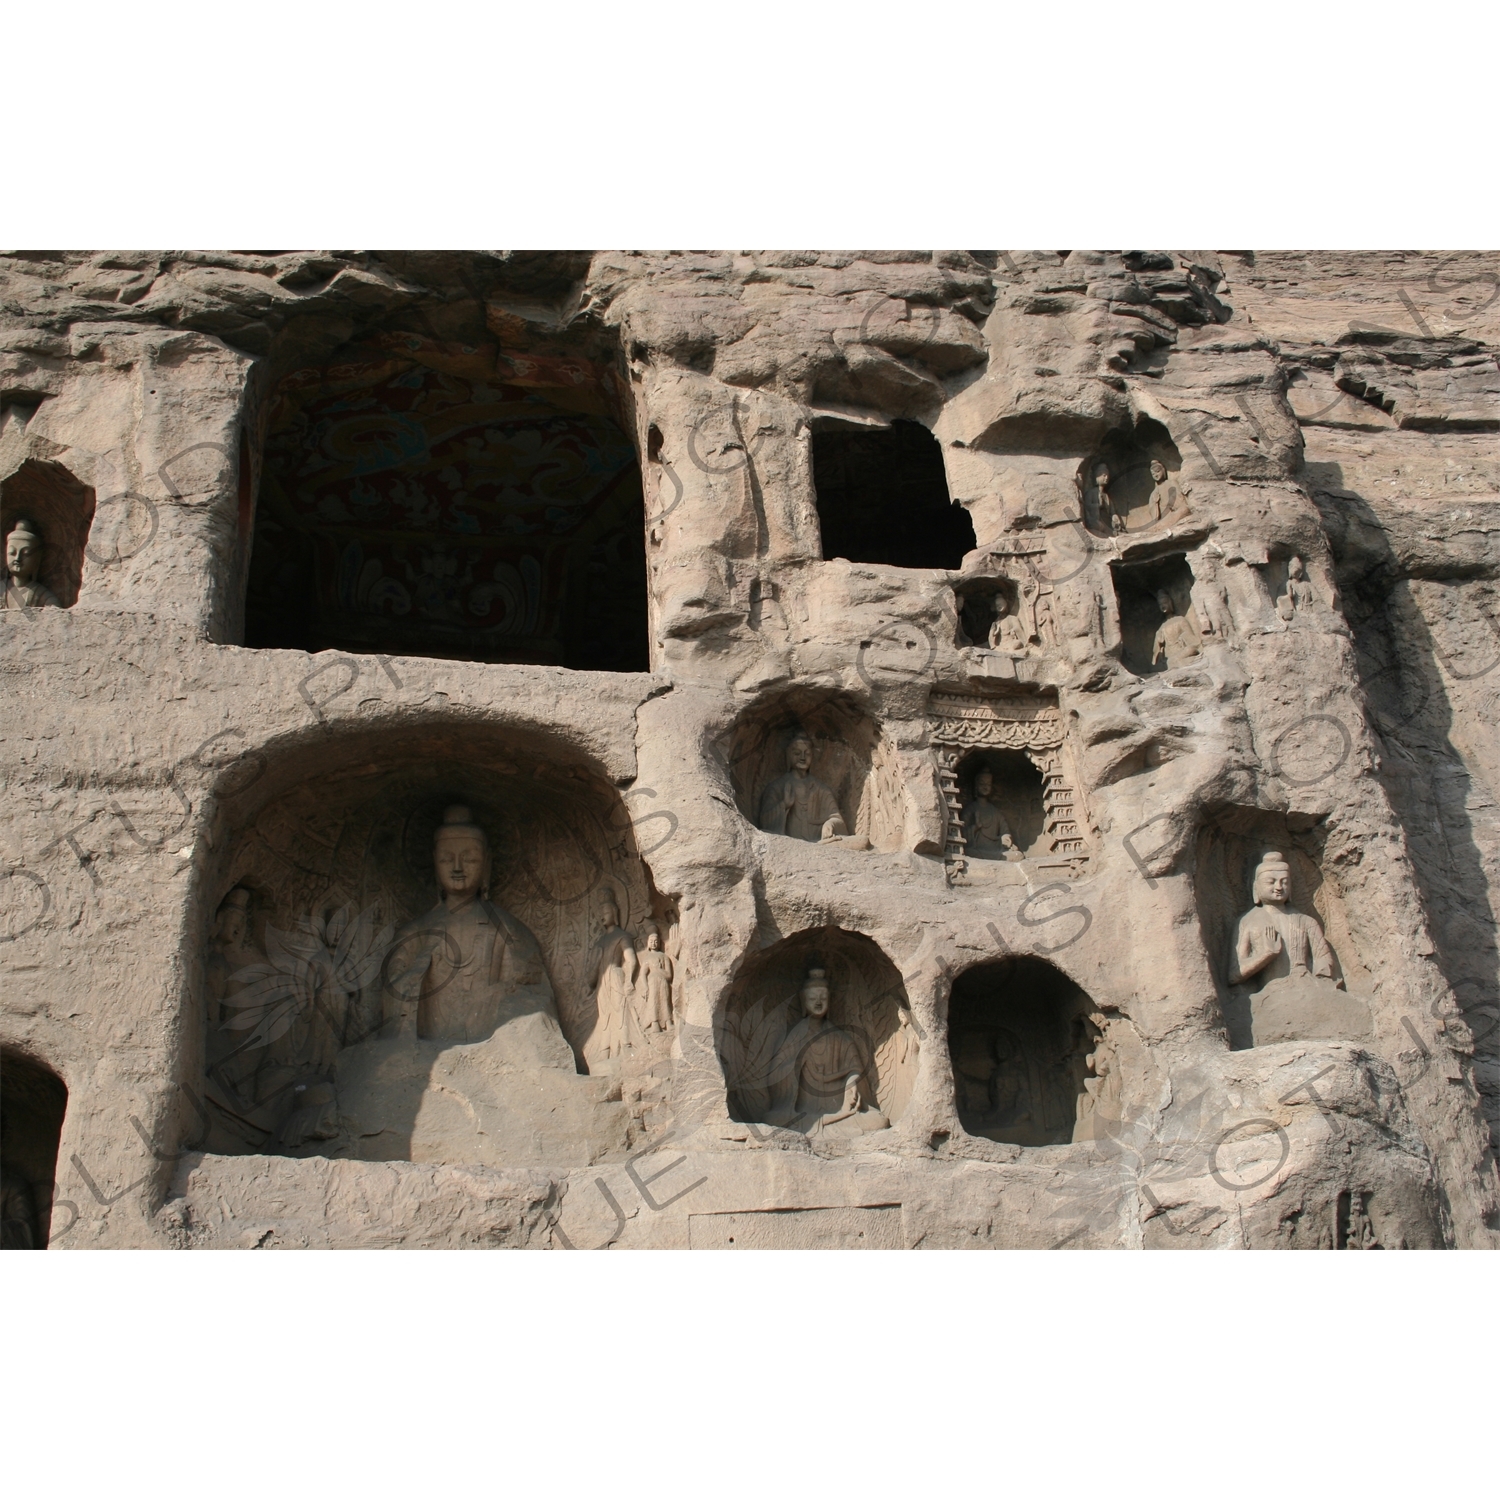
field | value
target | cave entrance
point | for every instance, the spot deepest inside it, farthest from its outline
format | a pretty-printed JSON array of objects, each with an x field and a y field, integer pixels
[
  {"x": 477, "y": 501},
  {"x": 883, "y": 498},
  {"x": 33, "y": 1100},
  {"x": 1025, "y": 1045}
]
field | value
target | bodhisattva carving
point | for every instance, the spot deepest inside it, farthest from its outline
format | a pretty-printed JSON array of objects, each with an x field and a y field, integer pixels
[
  {"x": 986, "y": 833},
  {"x": 1298, "y": 996},
  {"x": 1211, "y": 600},
  {"x": 819, "y": 1075},
  {"x": 614, "y": 968},
  {"x": 655, "y": 987},
  {"x": 797, "y": 804},
  {"x": 23, "y": 565},
  {"x": 1102, "y": 504},
  {"x": 479, "y": 965},
  {"x": 1176, "y": 641},
  {"x": 1299, "y": 598}
]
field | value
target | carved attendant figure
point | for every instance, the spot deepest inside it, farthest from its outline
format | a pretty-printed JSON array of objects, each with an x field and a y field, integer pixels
[
  {"x": 480, "y": 966},
  {"x": 23, "y": 562},
  {"x": 986, "y": 832},
  {"x": 232, "y": 1059},
  {"x": 656, "y": 985},
  {"x": 1175, "y": 642},
  {"x": 1210, "y": 599},
  {"x": 797, "y": 804},
  {"x": 612, "y": 973},
  {"x": 1103, "y": 506},
  {"x": 818, "y": 1080}
]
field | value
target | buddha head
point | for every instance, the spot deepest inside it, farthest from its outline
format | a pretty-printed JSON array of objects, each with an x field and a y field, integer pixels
[
  {"x": 609, "y": 912},
  {"x": 984, "y": 783},
  {"x": 799, "y": 753},
  {"x": 1295, "y": 570},
  {"x": 653, "y": 940},
  {"x": 23, "y": 552},
  {"x": 1273, "y": 880},
  {"x": 1158, "y": 470},
  {"x": 1101, "y": 475},
  {"x": 1165, "y": 603},
  {"x": 815, "y": 994},
  {"x": 461, "y": 854}
]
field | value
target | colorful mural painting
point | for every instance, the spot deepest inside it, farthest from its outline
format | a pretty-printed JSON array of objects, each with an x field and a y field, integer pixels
[{"x": 412, "y": 509}]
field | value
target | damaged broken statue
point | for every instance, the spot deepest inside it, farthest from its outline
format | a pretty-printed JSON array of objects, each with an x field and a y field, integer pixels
[
  {"x": 1298, "y": 998},
  {"x": 478, "y": 1071}
]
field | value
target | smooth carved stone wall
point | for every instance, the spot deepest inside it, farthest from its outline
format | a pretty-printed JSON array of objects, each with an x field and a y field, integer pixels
[{"x": 1209, "y": 636}]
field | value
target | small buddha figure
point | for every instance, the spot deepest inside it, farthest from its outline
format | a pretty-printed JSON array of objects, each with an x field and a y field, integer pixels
[
  {"x": 1175, "y": 640},
  {"x": 819, "y": 1075},
  {"x": 1006, "y": 633},
  {"x": 480, "y": 966},
  {"x": 797, "y": 804},
  {"x": 655, "y": 987},
  {"x": 986, "y": 833},
  {"x": 1299, "y": 597},
  {"x": 613, "y": 970},
  {"x": 23, "y": 564},
  {"x": 1274, "y": 940},
  {"x": 1166, "y": 502}
]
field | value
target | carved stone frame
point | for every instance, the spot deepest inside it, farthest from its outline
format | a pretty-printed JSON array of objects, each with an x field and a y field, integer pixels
[{"x": 962, "y": 722}]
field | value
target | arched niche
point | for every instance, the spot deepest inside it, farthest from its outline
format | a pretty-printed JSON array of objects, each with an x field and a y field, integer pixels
[
  {"x": 1128, "y": 456},
  {"x": 62, "y": 509},
  {"x": 1032, "y": 1064},
  {"x": 882, "y": 496},
  {"x": 33, "y": 1101},
  {"x": 476, "y": 498},
  {"x": 768, "y": 1062},
  {"x": 326, "y": 852},
  {"x": 1229, "y": 846},
  {"x": 1149, "y": 642},
  {"x": 849, "y": 756}
]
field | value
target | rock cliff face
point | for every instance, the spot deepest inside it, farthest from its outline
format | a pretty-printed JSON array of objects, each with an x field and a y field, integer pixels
[{"x": 916, "y": 748}]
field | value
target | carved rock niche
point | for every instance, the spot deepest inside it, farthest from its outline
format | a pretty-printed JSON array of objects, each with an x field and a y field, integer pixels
[
  {"x": 33, "y": 1101},
  {"x": 1148, "y": 641},
  {"x": 850, "y": 758},
  {"x": 785, "y": 1067},
  {"x": 1034, "y": 1060},
  {"x": 1020, "y": 740},
  {"x": 62, "y": 509},
  {"x": 1228, "y": 852},
  {"x": 351, "y": 1009},
  {"x": 1128, "y": 456}
]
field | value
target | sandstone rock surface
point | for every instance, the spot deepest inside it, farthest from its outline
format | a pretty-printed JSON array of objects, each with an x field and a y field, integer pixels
[{"x": 1161, "y": 563}]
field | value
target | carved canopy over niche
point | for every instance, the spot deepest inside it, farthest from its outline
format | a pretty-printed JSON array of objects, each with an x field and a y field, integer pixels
[
  {"x": 329, "y": 870},
  {"x": 1032, "y": 723}
]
